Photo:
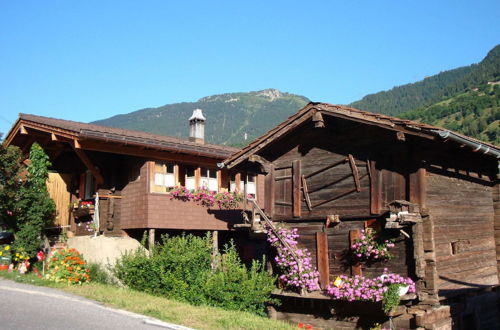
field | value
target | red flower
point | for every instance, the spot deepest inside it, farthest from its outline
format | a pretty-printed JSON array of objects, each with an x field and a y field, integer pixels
[{"x": 40, "y": 256}]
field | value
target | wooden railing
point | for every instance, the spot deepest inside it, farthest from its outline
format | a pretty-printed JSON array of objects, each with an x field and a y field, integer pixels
[{"x": 269, "y": 225}]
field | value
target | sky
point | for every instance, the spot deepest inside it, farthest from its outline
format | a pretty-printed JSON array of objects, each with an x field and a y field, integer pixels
[{"x": 89, "y": 60}]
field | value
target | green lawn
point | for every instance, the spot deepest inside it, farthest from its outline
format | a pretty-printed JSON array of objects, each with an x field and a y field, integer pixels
[{"x": 161, "y": 308}]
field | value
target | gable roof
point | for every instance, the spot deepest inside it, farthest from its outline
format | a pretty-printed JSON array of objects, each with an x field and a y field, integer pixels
[
  {"x": 369, "y": 118},
  {"x": 83, "y": 131}
]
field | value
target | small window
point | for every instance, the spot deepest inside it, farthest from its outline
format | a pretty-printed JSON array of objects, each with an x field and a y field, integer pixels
[
  {"x": 164, "y": 176},
  {"x": 208, "y": 179},
  {"x": 190, "y": 178},
  {"x": 249, "y": 179},
  {"x": 251, "y": 185}
]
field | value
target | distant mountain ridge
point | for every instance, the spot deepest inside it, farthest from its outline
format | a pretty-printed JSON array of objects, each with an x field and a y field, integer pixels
[
  {"x": 433, "y": 89},
  {"x": 458, "y": 99},
  {"x": 230, "y": 117}
]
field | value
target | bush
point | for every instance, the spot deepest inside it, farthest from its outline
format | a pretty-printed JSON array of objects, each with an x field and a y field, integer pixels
[
  {"x": 67, "y": 266},
  {"x": 177, "y": 269},
  {"x": 180, "y": 268},
  {"x": 234, "y": 287},
  {"x": 99, "y": 274}
]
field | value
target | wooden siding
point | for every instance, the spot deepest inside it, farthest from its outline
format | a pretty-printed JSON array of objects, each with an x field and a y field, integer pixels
[
  {"x": 496, "y": 205},
  {"x": 462, "y": 217},
  {"x": 339, "y": 245},
  {"x": 144, "y": 209}
]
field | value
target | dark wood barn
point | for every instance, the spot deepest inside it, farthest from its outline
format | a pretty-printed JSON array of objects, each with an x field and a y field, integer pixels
[{"x": 332, "y": 171}]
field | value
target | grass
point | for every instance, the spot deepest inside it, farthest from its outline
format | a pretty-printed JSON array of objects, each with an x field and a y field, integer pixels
[{"x": 198, "y": 317}]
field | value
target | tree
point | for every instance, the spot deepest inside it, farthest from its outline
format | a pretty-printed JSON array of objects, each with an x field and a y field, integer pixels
[
  {"x": 10, "y": 183},
  {"x": 36, "y": 208}
]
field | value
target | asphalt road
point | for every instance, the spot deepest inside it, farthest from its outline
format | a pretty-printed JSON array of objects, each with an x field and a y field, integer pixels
[{"x": 31, "y": 307}]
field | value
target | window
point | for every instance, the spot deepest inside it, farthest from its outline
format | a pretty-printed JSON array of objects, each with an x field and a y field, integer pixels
[
  {"x": 164, "y": 176},
  {"x": 208, "y": 179},
  {"x": 251, "y": 185},
  {"x": 249, "y": 179},
  {"x": 190, "y": 178}
]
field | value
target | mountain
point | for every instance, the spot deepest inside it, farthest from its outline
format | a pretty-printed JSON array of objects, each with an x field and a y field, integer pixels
[
  {"x": 433, "y": 89},
  {"x": 475, "y": 113},
  {"x": 229, "y": 116}
]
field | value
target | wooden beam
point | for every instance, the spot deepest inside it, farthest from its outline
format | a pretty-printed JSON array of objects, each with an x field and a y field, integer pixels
[
  {"x": 269, "y": 192},
  {"x": 237, "y": 182},
  {"x": 322, "y": 259},
  {"x": 375, "y": 188},
  {"x": 418, "y": 187},
  {"x": 88, "y": 163},
  {"x": 306, "y": 193},
  {"x": 355, "y": 268},
  {"x": 296, "y": 183},
  {"x": 355, "y": 172},
  {"x": 148, "y": 154},
  {"x": 53, "y": 137},
  {"x": 176, "y": 175},
  {"x": 22, "y": 130},
  {"x": 76, "y": 144},
  {"x": 317, "y": 119}
]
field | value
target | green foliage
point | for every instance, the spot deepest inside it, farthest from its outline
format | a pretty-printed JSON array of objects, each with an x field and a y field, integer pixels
[
  {"x": 475, "y": 113},
  {"x": 391, "y": 297},
  {"x": 229, "y": 116},
  {"x": 234, "y": 287},
  {"x": 180, "y": 268},
  {"x": 177, "y": 269},
  {"x": 36, "y": 208},
  {"x": 433, "y": 89},
  {"x": 99, "y": 274},
  {"x": 10, "y": 184}
]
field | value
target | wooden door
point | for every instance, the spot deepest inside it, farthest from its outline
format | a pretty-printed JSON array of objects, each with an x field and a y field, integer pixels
[{"x": 58, "y": 188}]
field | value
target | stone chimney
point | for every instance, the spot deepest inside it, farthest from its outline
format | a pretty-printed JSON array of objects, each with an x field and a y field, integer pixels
[{"x": 197, "y": 127}]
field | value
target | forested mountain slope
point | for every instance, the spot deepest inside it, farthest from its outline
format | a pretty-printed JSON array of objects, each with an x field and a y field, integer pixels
[
  {"x": 230, "y": 117},
  {"x": 433, "y": 89}
]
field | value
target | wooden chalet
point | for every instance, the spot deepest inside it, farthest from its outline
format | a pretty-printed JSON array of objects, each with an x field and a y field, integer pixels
[
  {"x": 118, "y": 179},
  {"x": 332, "y": 171}
]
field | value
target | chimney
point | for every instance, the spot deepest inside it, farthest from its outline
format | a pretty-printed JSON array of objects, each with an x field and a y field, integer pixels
[{"x": 197, "y": 127}]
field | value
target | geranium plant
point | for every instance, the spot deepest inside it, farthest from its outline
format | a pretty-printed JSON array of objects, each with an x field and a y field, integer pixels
[
  {"x": 370, "y": 247},
  {"x": 298, "y": 273},
  {"x": 383, "y": 288},
  {"x": 224, "y": 200},
  {"x": 67, "y": 265}
]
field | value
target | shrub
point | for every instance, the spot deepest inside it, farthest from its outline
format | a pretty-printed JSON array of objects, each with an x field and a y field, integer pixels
[
  {"x": 180, "y": 268},
  {"x": 98, "y": 274},
  {"x": 234, "y": 287},
  {"x": 67, "y": 266},
  {"x": 177, "y": 269}
]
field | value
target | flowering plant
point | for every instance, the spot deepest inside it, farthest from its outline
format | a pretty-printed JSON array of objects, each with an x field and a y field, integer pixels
[
  {"x": 369, "y": 247},
  {"x": 20, "y": 256},
  {"x": 295, "y": 263},
  {"x": 181, "y": 193},
  {"x": 5, "y": 254},
  {"x": 224, "y": 200},
  {"x": 359, "y": 288},
  {"x": 67, "y": 266}
]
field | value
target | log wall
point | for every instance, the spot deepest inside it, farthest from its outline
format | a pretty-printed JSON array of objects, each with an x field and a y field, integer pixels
[{"x": 462, "y": 217}]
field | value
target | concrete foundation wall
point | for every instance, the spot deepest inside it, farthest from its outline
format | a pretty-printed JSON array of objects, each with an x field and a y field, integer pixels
[{"x": 102, "y": 250}]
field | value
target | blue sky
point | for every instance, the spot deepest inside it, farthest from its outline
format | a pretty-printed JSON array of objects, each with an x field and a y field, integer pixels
[{"x": 89, "y": 60}]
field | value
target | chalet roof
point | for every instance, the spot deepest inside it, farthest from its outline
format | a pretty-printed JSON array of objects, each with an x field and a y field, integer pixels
[
  {"x": 369, "y": 118},
  {"x": 85, "y": 131}
]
